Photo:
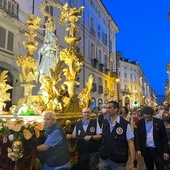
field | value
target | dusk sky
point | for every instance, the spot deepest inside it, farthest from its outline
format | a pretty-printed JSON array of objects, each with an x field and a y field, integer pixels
[{"x": 144, "y": 35}]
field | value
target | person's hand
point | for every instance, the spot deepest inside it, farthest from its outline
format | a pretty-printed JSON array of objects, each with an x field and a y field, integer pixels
[
  {"x": 69, "y": 136},
  {"x": 87, "y": 138},
  {"x": 133, "y": 168},
  {"x": 138, "y": 154},
  {"x": 165, "y": 156}
]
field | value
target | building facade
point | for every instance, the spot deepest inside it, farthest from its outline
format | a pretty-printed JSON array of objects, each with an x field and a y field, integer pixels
[
  {"x": 134, "y": 89},
  {"x": 97, "y": 30},
  {"x": 167, "y": 84},
  {"x": 98, "y": 38}
]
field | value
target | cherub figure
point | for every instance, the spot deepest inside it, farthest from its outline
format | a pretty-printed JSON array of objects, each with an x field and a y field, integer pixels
[{"x": 16, "y": 152}]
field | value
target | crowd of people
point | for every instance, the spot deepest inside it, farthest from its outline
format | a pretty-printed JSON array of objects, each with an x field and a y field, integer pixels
[{"x": 116, "y": 139}]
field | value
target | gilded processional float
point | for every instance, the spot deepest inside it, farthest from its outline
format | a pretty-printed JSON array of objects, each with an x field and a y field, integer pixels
[{"x": 57, "y": 70}]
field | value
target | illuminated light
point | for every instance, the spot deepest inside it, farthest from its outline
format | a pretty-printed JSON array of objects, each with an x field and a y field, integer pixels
[{"x": 117, "y": 80}]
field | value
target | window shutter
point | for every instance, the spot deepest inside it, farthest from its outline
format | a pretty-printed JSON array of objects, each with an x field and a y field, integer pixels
[
  {"x": 2, "y": 37},
  {"x": 10, "y": 41}
]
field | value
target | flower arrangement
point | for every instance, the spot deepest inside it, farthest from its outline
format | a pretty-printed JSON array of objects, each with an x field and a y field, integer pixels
[
  {"x": 26, "y": 110},
  {"x": 17, "y": 129}
]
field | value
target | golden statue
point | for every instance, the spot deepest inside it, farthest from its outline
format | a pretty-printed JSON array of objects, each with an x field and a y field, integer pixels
[
  {"x": 28, "y": 68},
  {"x": 59, "y": 69},
  {"x": 32, "y": 24},
  {"x": 84, "y": 96},
  {"x": 50, "y": 23},
  {"x": 70, "y": 15},
  {"x": 4, "y": 96},
  {"x": 27, "y": 63},
  {"x": 53, "y": 95},
  {"x": 16, "y": 152}
]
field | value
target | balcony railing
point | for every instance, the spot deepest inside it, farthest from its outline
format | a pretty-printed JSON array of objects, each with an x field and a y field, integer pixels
[
  {"x": 113, "y": 74},
  {"x": 10, "y": 6}
]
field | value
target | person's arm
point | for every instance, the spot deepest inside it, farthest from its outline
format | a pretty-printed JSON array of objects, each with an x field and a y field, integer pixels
[
  {"x": 73, "y": 135},
  {"x": 165, "y": 141},
  {"x": 137, "y": 140},
  {"x": 42, "y": 147},
  {"x": 53, "y": 139},
  {"x": 69, "y": 136},
  {"x": 131, "y": 145},
  {"x": 92, "y": 137},
  {"x": 132, "y": 153},
  {"x": 97, "y": 136}
]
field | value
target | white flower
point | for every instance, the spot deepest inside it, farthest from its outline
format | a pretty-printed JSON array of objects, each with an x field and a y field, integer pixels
[{"x": 11, "y": 137}]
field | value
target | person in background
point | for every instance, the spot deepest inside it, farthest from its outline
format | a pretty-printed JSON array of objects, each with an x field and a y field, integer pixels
[
  {"x": 54, "y": 152},
  {"x": 161, "y": 111},
  {"x": 135, "y": 117},
  {"x": 151, "y": 140},
  {"x": 87, "y": 132},
  {"x": 96, "y": 110},
  {"x": 127, "y": 116},
  {"x": 72, "y": 145},
  {"x": 117, "y": 141},
  {"x": 103, "y": 114},
  {"x": 166, "y": 119},
  {"x": 67, "y": 127}
]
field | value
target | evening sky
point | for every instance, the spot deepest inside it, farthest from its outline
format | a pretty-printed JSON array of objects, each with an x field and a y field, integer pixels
[{"x": 144, "y": 35}]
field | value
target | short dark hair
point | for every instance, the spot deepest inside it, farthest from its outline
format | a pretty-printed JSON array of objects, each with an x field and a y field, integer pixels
[
  {"x": 147, "y": 110},
  {"x": 126, "y": 109},
  {"x": 115, "y": 104}
]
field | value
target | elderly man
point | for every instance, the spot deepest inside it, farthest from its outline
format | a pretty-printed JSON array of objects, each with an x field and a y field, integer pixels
[
  {"x": 54, "y": 151},
  {"x": 88, "y": 132}
]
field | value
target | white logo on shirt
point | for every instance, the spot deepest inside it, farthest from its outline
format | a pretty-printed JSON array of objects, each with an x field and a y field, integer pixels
[
  {"x": 119, "y": 130},
  {"x": 92, "y": 129}
]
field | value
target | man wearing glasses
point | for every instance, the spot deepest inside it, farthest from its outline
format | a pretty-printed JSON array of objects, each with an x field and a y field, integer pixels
[
  {"x": 54, "y": 152},
  {"x": 151, "y": 140},
  {"x": 87, "y": 132}
]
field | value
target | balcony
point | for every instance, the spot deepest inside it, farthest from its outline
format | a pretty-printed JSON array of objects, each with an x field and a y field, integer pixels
[
  {"x": 114, "y": 74},
  {"x": 100, "y": 89},
  {"x": 92, "y": 31},
  {"x": 10, "y": 7}
]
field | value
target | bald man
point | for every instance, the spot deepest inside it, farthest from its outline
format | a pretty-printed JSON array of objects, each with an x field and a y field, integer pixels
[{"x": 88, "y": 132}]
